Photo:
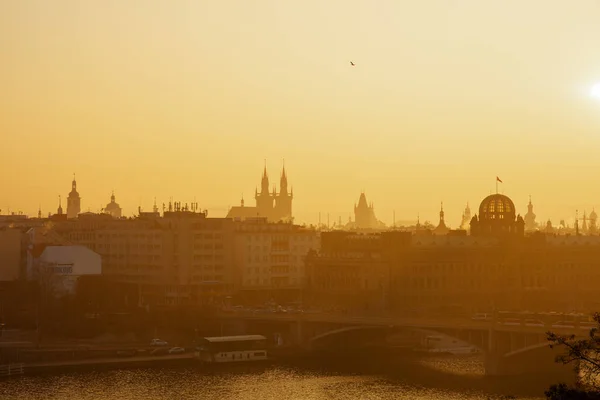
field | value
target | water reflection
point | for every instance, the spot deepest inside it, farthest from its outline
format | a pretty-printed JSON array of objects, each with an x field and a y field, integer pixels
[{"x": 272, "y": 383}]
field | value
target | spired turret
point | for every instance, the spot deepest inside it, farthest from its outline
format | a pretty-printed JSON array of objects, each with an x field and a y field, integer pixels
[
  {"x": 73, "y": 201},
  {"x": 441, "y": 229},
  {"x": 272, "y": 205},
  {"x": 530, "y": 224},
  {"x": 283, "y": 200}
]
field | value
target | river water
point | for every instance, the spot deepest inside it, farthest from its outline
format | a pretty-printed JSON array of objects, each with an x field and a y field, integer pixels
[{"x": 433, "y": 378}]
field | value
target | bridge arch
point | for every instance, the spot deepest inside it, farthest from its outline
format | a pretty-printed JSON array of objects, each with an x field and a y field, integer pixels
[
  {"x": 339, "y": 331},
  {"x": 385, "y": 331},
  {"x": 527, "y": 349}
]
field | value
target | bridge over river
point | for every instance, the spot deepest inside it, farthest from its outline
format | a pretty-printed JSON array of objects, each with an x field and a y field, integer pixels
[{"x": 508, "y": 348}]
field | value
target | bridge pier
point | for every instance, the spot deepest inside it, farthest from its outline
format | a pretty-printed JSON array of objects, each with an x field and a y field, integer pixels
[
  {"x": 299, "y": 339},
  {"x": 491, "y": 363}
]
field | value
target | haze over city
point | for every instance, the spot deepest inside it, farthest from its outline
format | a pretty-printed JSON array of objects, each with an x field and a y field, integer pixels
[{"x": 152, "y": 100}]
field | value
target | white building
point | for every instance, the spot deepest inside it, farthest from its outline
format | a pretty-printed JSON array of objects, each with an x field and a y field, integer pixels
[{"x": 63, "y": 265}]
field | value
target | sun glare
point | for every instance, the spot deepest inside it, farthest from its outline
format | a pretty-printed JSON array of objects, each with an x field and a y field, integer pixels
[{"x": 595, "y": 92}]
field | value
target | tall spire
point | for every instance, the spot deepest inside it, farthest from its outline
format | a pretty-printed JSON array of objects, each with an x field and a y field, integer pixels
[
  {"x": 264, "y": 184},
  {"x": 60, "y": 209},
  {"x": 283, "y": 183}
]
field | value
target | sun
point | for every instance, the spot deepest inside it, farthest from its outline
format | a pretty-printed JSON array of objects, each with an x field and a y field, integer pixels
[{"x": 595, "y": 92}]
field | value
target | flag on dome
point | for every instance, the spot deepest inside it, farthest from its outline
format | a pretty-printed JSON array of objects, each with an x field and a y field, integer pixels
[{"x": 499, "y": 180}]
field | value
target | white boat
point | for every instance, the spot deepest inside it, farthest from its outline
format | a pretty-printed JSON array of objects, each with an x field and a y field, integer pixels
[{"x": 232, "y": 349}]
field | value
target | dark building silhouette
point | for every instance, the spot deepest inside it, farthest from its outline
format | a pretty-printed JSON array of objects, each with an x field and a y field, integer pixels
[
  {"x": 466, "y": 218},
  {"x": 497, "y": 267},
  {"x": 593, "y": 229},
  {"x": 441, "y": 229},
  {"x": 59, "y": 211},
  {"x": 73, "y": 201},
  {"x": 271, "y": 205},
  {"x": 497, "y": 218},
  {"x": 113, "y": 208},
  {"x": 530, "y": 224},
  {"x": 364, "y": 214}
]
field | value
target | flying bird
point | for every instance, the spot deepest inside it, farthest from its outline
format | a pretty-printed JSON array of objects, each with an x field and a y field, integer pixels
[{"x": 351, "y": 63}]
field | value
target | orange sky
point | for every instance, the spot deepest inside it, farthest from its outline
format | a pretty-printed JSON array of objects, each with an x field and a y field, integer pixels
[{"x": 186, "y": 98}]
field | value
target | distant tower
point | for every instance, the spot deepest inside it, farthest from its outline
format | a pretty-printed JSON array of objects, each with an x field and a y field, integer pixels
[
  {"x": 593, "y": 222},
  {"x": 530, "y": 224},
  {"x": 441, "y": 229},
  {"x": 364, "y": 214},
  {"x": 60, "y": 209},
  {"x": 114, "y": 209},
  {"x": 466, "y": 218},
  {"x": 73, "y": 201},
  {"x": 283, "y": 201},
  {"x": 584, "y": 225},
  {"x": 264, "y": 199}
]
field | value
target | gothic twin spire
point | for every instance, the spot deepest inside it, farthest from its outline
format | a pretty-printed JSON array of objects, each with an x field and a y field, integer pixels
[{"x": 283, "y": 183}]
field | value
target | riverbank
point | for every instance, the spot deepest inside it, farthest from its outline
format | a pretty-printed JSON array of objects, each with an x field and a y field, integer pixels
[{"x": 55, "y": 367}]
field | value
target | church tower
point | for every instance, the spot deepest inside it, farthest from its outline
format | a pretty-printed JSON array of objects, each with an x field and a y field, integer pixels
[
  {"x": 283, "y": 201},
  {"x": 114, "y": 210},
  {"x": 441, "y": 229},
  {"x": 73, "y": 201},
  {"x": 264, "y": 199},
  {"x": 529, "y": 218},
  {"x": 364, "y": 214},
  {"x": 59, "y": 211}
]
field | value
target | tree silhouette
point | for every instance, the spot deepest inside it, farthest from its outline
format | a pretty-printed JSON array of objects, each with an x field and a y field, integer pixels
[{"x": 584, "y": 355}]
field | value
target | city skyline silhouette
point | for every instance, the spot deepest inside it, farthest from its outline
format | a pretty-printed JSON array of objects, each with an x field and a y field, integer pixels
[{"x": 165, "y": 101}]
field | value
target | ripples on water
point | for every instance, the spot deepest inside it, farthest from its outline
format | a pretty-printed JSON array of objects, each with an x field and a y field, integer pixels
[{"x": 270, "y": 384}]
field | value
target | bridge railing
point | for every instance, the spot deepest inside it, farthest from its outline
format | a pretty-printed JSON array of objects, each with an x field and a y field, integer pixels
[
  {"x": 495, "y": 322},
  {"x": 7, "y": 370}
]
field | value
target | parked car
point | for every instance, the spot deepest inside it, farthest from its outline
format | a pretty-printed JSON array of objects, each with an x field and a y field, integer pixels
[
  {"x": 177, "y": 350},
  {"x": 158, "y": 342}
]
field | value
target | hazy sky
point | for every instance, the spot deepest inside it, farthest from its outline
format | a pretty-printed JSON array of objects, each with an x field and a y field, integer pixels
[{"x": 187, "y": 98}]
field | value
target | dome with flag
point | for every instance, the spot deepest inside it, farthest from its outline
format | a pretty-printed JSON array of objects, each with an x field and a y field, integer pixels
[{"x": 497, "y": 207}]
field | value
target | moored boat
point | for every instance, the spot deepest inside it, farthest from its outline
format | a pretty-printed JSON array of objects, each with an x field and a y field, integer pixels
[{"x": 233, "y": 349}]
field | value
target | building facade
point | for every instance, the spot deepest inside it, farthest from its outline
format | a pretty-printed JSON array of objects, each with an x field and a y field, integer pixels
[
  {"x": 180, "y": 258},
  {"x": 497, "y": 267},
  {"x": 183, "y": 257},
  {"x": 270, "y": 259},
  {"x": 11, "y": 240}
]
